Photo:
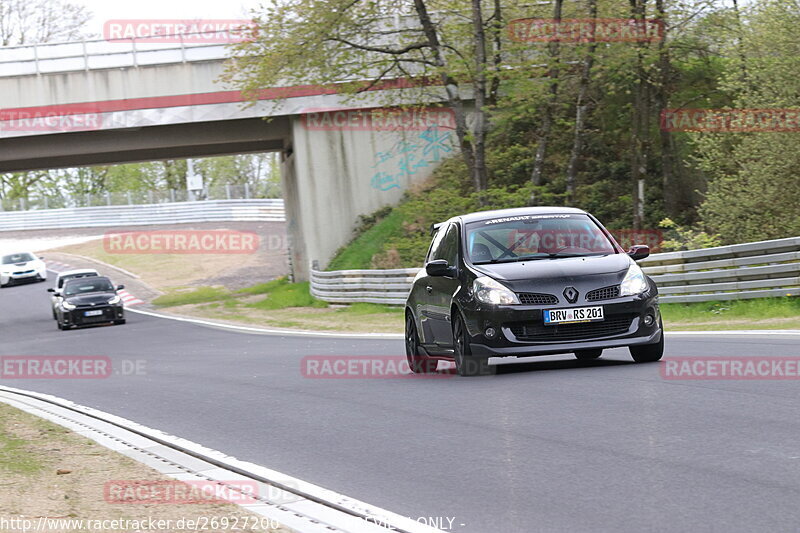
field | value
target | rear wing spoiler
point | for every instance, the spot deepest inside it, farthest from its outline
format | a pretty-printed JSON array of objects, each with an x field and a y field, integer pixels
[{"x": 435, "y": 227}]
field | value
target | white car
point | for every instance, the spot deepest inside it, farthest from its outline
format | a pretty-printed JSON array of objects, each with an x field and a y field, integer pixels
[
  {"x": 65, "y": 276},
  {"x": 20, "y": 267}
]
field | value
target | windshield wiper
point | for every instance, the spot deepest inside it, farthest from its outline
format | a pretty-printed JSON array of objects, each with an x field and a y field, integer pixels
[{"x": 531, "y": 258}]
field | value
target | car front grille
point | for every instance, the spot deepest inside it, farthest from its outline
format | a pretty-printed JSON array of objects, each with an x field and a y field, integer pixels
[
  {"x": 537, "y": 331},
  {"x": 606, "y": 293},
  {"x": 20, "y": 273},
  {"x": 532, "y": 298}
]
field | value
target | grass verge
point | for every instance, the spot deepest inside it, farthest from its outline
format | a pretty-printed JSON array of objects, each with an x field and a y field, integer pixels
[
  {"x": 758, "y": 313},
  {"x": 281, "y": 304},
  {"x": 48, "y": 471}
]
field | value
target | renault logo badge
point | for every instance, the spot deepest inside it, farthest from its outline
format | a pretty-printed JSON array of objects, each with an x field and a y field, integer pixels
[{"x": 571, "y": 294}]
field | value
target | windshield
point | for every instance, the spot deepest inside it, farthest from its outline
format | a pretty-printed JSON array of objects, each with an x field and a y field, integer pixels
[
  {"x": 531, "y": 237},
  {"x": 71, "y": 277},
  {"x": 89, "y": 285},
  {"x": 17, "y": 258}
]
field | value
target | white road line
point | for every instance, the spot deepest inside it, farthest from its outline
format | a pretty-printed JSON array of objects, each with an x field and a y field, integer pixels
[
  {"x": 393, "y": 336},
  {"x": 268, "y": 331},
  {"x": 378, "y": 520}
]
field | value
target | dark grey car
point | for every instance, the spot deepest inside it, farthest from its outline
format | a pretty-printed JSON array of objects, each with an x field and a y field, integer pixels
[{"x": 529, "y": 281}]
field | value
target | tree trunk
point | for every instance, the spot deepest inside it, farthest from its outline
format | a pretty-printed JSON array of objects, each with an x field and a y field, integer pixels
[
  {"x": 639, "y": 141},
  {"x": 479, "y": 88},
  {"x": 476, "y": 162},
  {"x": 554, "y": 53},
  {"x": 668, "y": 158},
  {"x": 581, "y": 109}
]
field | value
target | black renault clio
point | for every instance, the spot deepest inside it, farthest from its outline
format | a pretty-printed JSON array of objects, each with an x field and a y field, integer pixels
[{"x": 529, "y": 281}]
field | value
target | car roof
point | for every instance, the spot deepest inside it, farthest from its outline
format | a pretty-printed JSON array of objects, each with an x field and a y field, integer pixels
[
  {"x": 78, "y": 271},
  {"x": 518, "y": 211}
]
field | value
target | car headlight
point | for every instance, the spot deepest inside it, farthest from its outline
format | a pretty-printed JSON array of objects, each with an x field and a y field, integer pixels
[
  {"x": 115, "y": 300},
  {"x": 67, "y": 306},
  {"x": 634, "y": 282},
  {"x": 492, "y": 292}
]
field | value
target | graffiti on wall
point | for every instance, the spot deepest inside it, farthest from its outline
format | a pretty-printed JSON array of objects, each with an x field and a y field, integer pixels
[{"x": 407, "y": 157}]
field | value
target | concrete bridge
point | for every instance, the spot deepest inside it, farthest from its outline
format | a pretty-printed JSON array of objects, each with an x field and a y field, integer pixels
[{"x": 99, "y": 102}]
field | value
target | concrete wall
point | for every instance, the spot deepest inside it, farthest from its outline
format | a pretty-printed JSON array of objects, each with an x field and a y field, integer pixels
[
  {"x": 338, "y": 175},
  {"x": 110, "y": 84}
]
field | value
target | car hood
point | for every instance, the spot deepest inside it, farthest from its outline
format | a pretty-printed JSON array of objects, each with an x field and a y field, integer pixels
[
  {"x": 92, "y": 298},
  {"x": 567, "y": 267},
  {"x": 18, "y": 266}
]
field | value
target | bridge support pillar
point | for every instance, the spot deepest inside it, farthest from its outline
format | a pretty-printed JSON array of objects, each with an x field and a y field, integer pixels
[{"x": 334, "y": 175}]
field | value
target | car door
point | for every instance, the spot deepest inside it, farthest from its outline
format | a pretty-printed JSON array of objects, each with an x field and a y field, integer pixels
[
  {"x": 443, "y": 288},
  {"x": 423, "y": 290}
]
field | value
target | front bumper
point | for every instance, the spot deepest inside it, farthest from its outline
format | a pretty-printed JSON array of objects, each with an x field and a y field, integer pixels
[
  {"x": 23, "y": 276},
  {"x": 521, "y": 330},
  {"x": 108, "y": 313}
]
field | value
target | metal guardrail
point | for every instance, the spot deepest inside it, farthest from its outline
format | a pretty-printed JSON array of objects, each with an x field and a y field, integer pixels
[
  {"x": 94, "y": 54},
  {"x": 59, "y": 201},
  {"x": 739, "y": 271},
  {"x": 264, "y": 210}
]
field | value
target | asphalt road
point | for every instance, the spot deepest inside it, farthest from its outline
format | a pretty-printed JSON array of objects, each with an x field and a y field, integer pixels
[{"x": 549, "y": 445}]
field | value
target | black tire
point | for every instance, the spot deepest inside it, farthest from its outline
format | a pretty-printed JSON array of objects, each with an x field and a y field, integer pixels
[
  {"x": 419, "y": 364},
  {"x": 119, "y": 322},
  {"x": 586, "y": 355},
  {"x": 55, "y": 316},
  {"x": 648, "y": 353},
  {"x": 466, "y": 365},
  {"x": 58, "y": 324}
]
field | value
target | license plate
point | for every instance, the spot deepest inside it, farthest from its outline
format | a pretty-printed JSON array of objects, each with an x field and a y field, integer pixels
[
  {"x": 576, "y": 314},
  {"x": 93, "y": 313}
]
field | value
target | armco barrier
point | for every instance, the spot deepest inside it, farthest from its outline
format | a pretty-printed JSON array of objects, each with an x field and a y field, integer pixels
[
  {"x": 739, "y": 271},
  {"x": 257, "y": 210}
]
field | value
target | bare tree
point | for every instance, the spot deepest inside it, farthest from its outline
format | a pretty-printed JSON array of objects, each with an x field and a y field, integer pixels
[{"x": 41, "y": 21}]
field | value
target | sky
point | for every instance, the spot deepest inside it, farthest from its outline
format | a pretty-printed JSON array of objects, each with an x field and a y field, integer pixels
[{"x": 165, "y": 9}]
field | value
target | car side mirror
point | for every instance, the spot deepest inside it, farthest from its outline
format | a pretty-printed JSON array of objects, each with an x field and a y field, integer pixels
[
  {"x": 639, "y": 251},
  {"x": 120, "y": 287},
  {"x": 51, "y": 289},
  {"x": 439, "y": 267},
  {"x": 42, "y": 258}
]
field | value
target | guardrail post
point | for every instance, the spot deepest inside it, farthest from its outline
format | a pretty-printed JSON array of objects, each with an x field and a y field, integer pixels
[
  {"x": 172, "y": 195},
  {"x": 130, "y": 200},
  {"x": 21, "y": 203},
  {"x": 183, "y": 49},
  {"x": 108, "y": 198},
  {"x": 228, "y": 191},
  {"x": 247, "y": 191},
  {"x": 46, "y": 203},
  {"x": 36, "y": 58},
  {"x": 133, "y": 51},
  {"x": 85, "y": 56},
  {"x": 150, "y": 196}
]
